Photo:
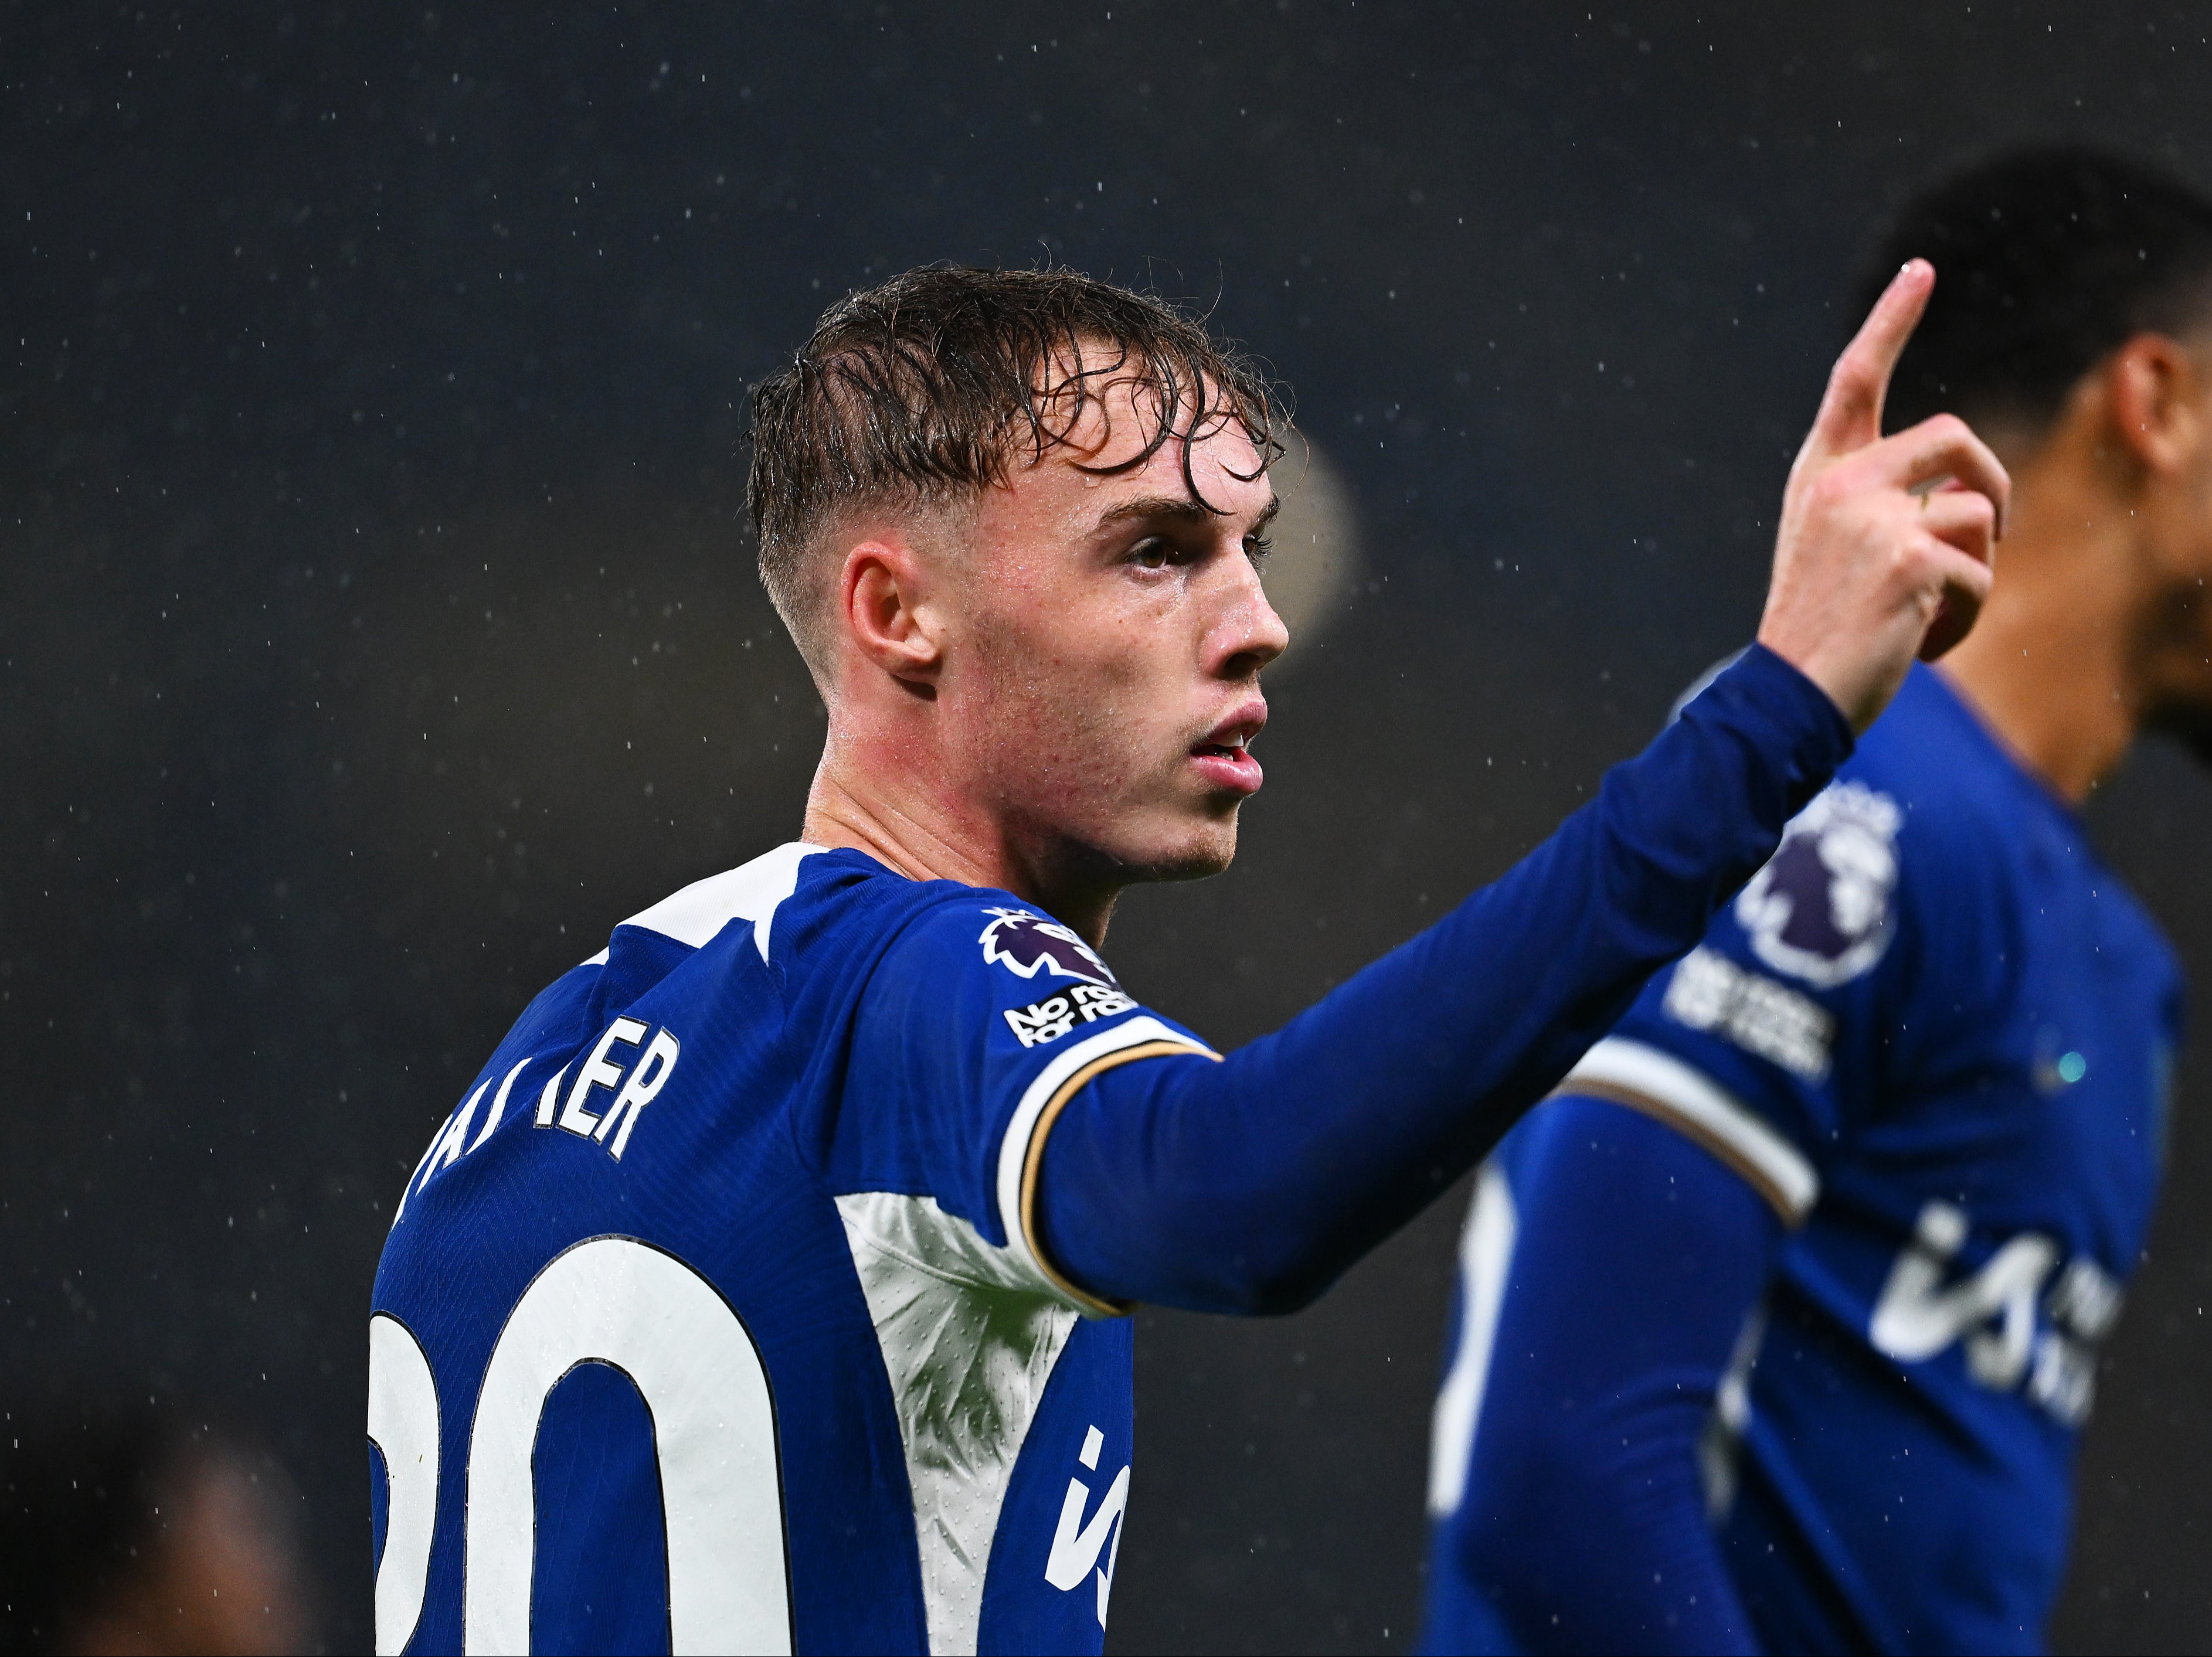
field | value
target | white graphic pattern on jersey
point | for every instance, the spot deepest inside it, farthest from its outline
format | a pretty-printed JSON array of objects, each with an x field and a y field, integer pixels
[{"x": 969, "y": 1335}]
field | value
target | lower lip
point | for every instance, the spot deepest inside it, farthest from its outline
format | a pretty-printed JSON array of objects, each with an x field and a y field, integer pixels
[{"x": 1234, "y": 771}]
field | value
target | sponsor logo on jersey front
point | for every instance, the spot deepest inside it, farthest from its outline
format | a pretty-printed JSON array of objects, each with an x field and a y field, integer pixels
[
  {"x": 2022, "y": 1320},
  {"x": 1075, "y": 1546},
  {"x": 1025, "y": 944},
  {"x": 1049, "y": 1020},
  {"x": 1820, "y": 910}
]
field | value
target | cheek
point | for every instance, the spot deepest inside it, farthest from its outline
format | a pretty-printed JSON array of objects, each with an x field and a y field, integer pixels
[
  {"x": 1087, "y": 693},
  {"x": 1141, "y": 681},
  {"x": 1114, "y": 650},
  {"x": 1098, "y": 713},
  {"x": 1096, "y": 722}
]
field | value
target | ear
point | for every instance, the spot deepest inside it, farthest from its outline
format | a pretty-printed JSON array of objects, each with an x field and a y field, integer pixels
[
  {"x": 878, "y": 593},
  {"x": 2156, "y": 394}
]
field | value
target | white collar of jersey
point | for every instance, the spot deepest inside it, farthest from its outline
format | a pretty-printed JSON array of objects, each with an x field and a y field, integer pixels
[{"x": 752, "y": 891}]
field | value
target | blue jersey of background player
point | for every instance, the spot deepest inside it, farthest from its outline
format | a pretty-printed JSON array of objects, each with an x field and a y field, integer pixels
[
  {"x": 760, "y": 1293},
  {"x": 1777, "y": 1328}
]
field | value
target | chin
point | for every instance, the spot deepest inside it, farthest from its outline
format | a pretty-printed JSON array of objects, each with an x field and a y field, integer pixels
[{"x": 1194, "y": 854}]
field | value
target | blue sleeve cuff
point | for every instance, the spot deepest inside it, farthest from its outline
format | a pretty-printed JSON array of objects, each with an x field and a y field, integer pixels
[{"x": 1781, "y": 716}]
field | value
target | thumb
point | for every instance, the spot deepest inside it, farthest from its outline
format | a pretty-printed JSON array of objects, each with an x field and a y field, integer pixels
[{"x": 1851, "y": 412}]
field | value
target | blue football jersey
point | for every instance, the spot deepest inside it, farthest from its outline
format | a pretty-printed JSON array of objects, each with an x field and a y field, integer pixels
[
  {"x": 711, "y": 1321},
  {"x": 1936, "y": 1033}
]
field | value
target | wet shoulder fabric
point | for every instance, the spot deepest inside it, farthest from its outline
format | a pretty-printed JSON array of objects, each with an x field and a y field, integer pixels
[
  {"x": 1933, "y": 1035},
  {"x": 708, "y": 1322}
]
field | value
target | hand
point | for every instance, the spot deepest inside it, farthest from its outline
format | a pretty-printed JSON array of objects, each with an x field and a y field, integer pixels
[{"x": 1886, "y": 545}]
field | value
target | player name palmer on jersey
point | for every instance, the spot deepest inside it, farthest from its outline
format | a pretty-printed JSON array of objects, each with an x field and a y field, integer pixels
[
  {"x": 710, "y": 1321},
  {"x": 1935, "y": 1033}
]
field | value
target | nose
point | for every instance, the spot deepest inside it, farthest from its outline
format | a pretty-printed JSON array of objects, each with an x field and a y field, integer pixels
[{"x": 1246, "y": 634}]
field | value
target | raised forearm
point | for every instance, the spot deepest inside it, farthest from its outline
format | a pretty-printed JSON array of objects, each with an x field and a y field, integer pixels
[{"x": 1249, "y": 1185}]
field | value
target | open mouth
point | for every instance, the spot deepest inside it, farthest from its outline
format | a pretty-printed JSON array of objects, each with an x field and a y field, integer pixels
[{"x": 1228, "y": 764}]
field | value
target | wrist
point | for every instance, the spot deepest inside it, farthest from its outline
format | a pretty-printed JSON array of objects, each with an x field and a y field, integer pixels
[
  {"x": 1844, "y": 688},
  {"x": 1786, "y": 712}
]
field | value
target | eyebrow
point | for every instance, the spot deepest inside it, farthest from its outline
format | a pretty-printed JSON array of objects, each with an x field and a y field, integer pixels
[{"x": 1181, "y": 509}]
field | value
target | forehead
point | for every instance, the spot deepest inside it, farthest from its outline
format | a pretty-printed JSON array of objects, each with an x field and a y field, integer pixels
[{"x": 1102, "y": 448}]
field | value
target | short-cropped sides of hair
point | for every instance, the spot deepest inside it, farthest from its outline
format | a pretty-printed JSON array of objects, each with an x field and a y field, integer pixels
[
  {"x": 926, "y": 390},
  {"x": 2046, "y": 261}
]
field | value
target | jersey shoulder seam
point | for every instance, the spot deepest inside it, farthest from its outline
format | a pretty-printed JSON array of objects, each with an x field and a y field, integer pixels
[{"x": 869, "y": 903}]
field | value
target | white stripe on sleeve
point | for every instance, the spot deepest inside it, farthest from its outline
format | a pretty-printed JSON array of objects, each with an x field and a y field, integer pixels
[
  {"x": 1014, "y": 1149},
  {"x": 1662, "y": 1086}
]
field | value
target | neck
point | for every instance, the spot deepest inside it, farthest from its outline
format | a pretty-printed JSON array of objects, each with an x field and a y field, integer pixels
[
  {"x": 917, "y": 821},
  {"x": 2051, "y": 666}
]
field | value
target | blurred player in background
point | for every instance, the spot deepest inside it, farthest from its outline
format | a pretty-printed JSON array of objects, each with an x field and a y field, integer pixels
[
  {"x": 765, "y": 1290},
  {"x": 139, "y": 1530},
  {"x": 1777, "y": 1327}
]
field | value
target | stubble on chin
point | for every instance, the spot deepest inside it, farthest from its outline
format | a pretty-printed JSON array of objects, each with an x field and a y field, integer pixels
[
  {"x": 1114, "y": 854},
  {"x": 1204, "y": 849},
  {"x": 1202, "y": 864}
]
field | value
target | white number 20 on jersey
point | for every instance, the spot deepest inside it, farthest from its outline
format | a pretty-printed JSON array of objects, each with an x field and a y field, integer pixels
[{"x": 619, "y": 1302}]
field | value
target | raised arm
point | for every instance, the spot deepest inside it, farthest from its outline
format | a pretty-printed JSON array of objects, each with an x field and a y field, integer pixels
[{"x": 1250, "y": 1185}]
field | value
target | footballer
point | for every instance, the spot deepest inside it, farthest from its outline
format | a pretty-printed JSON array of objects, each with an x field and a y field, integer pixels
[
  {"x": 1778, "y": 1328},
  {"x": 767, "y": 1290}
]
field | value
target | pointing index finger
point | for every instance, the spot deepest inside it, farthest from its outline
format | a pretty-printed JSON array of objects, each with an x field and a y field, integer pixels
[{"x": 1851, "y": 412}]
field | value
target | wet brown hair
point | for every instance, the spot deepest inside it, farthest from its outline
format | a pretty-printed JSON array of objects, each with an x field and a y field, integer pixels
[{"x": 921, "y": 391}]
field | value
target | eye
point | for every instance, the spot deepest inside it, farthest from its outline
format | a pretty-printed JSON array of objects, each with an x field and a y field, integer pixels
[
  {"x": 1151, "y": 553},
  {"x": 1257, "y": 547}
]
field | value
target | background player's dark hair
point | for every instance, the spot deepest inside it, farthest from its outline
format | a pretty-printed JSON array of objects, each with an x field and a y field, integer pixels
[
  {"x": 2047, "y": 260},
  {"x": 921, "y": 391}
]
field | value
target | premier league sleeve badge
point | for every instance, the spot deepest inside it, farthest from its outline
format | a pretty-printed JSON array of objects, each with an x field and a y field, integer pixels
[{"x": 1821, "y": 909}]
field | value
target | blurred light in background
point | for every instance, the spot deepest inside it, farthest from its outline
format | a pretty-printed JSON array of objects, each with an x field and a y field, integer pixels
[{"x": 1314, "y": 570}]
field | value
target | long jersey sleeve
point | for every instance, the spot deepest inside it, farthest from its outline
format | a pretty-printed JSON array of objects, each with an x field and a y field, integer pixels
[
  {"x": 1248, "y": 1185},
  {"x": 1581, "y": 1518}
]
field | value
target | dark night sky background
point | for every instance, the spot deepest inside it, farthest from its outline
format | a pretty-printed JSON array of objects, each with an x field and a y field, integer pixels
[{"x": 377, "y": 629}]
